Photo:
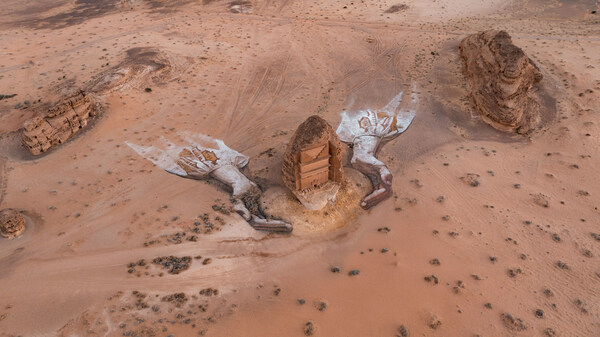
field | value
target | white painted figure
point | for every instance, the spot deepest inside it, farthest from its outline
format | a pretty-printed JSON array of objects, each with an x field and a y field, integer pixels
[
  {"x": 365, "y": 130},
  {"x": 211, "y": 158}
]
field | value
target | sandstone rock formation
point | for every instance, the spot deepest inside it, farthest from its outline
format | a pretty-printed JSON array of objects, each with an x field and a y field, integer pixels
[
  {"x": 312, "y": 163},
  {"x": 56, "y": 125},
  {"x": 500, "y": 78},
  {"x": 12, "y": 223}
]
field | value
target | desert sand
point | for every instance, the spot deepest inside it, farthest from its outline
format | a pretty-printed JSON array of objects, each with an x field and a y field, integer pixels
[{"x": 488, "y": 233}]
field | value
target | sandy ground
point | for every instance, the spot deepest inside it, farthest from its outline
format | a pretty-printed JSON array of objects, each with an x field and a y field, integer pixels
[{"x": 514, "y": 255}]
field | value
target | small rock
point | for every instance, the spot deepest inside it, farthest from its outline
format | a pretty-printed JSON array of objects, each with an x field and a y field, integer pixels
[{"x": 354, "y": 272}]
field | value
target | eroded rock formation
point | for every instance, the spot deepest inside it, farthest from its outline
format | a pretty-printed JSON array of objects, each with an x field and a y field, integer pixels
[
  {"x": 501, "y": 78},
  {"x": 139, "y": 63},
  {"x": 56, "y": 125},
  {"x": 312, "y": 163},
  {"x": 12, "y": 223}
]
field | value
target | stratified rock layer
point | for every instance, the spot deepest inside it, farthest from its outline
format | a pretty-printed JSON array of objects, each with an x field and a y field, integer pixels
[
  {"x": 501, "y": 78},
  {"x": 59, "y": 123},
  {"x": 12, "y": 223},
  {"x": 55, "y": 126},
  {"x": 312, "y": 163}
]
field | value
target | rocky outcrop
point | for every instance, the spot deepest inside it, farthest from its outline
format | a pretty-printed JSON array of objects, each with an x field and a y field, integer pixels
[
  {"x": 501, "y": 79},
  {"x": 312, "y": 163},
  {"x": 61, "y": 122},
  {"x": 56, "y": 125},
  {"x": 12, "y": 223},
  {"x": 140, "y": 65}
]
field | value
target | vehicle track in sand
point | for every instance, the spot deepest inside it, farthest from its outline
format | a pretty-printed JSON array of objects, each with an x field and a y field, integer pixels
[
  {"x": 290, "y": 20},
  {"x": 3, "y": 182}
]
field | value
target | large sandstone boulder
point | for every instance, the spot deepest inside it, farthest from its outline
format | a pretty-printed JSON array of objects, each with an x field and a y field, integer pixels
[
  {"x": 312, "y": 163},
  {"x": 12, "y": 223},
  {"x": 500, "y": 78},
  {"x": 56, "y": 125}
]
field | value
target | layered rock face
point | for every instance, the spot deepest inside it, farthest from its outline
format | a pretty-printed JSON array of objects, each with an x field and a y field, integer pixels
[
  {"x": 501, "y": 78},
  {"x": 312, "y": 164},
  {"x": 55, "y": 126},
  {"x": 59, "y": 123},
  {"x": 12, "y": 223}
]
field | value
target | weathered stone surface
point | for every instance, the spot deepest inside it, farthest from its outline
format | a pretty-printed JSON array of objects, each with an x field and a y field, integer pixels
[
  {"x": 140, "y": 65},
  {"x": 312, "y": 163},
  {"x": 56, "y": 125},
  {"x": 12, "y": 223},
  {"x": 500, "y": 78}
]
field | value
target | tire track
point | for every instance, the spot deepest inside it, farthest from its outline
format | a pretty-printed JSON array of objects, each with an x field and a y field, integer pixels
[
  {"x": 3, "y": 179},
  {"x": 268, "y": 87}
]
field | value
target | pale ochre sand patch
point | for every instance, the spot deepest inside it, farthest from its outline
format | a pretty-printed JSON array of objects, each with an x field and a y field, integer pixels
[{"x": 281, "y": 203}]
